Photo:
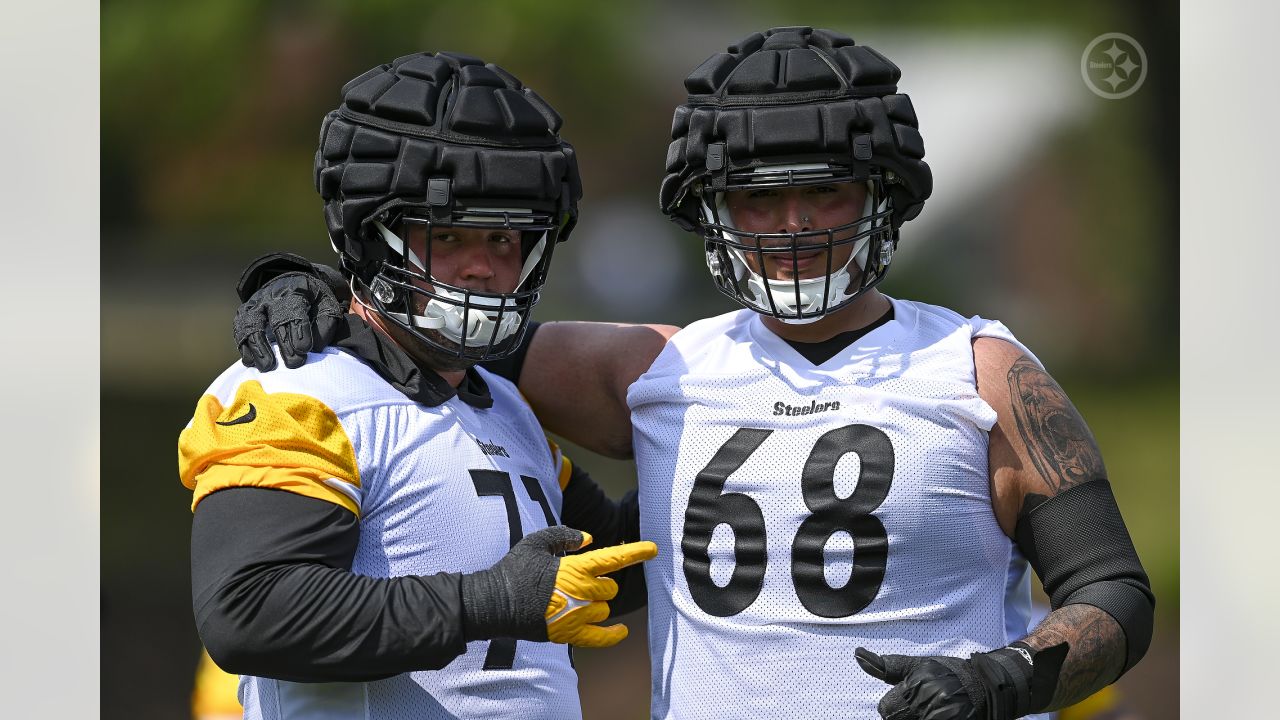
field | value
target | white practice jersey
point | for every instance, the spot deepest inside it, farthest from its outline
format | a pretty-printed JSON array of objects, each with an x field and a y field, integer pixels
[
  {"x": 448, "y": 488},
  {"x": 804, "y": 511}
]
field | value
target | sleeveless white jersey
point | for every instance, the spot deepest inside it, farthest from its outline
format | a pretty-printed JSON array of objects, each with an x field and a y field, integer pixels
[
  {"x": 801, "y": 512},
  {"x": 442, "y": 489}
]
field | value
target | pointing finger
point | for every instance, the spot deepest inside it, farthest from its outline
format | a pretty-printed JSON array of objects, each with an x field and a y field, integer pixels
[{"x": 612, "y": 559}]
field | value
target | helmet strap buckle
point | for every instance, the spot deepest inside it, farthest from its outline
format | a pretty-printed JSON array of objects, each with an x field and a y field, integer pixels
[
  {"x": 440, "y": 200},
  {"x": 860, "y": 155},
  {"x": 717, "y": 166}
]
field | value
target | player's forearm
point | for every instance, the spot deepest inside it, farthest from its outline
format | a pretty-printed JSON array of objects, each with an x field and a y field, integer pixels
[
  {"x": 1095, "y": 654},
  {"x": 274, "y": 596},
  {"x": 310, "y": 623}
]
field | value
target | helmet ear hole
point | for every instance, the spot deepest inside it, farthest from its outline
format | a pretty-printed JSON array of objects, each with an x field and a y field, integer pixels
[
  {"x": 383, "y": 291},
  {"x": 886, "y": 255}
]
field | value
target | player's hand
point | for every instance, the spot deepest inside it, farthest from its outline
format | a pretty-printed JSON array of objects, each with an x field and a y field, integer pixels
[
  {"x": 578, "y": 601},
  {"x": 533, "y": 593},
  {"x": 301, "y": 311},
  {"x": 924, "y": 688},
  {"x": 988, "y": 686}
]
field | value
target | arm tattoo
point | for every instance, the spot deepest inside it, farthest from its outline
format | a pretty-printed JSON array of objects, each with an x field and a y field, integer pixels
[
  {"x": 1057, "y": 439},
  {"x": 1064, "y": 454},
  {"x": 1096, "y": 655}
]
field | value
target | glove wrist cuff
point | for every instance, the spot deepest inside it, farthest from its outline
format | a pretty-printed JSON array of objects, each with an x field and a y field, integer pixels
[
  {"x": 267, "y": 267},
  {"x": 1019, "y": 679},
  {"x": 483, "y": 603},
  {"x": 334, "y": 278},
  {"x": 490, "y": 609}
]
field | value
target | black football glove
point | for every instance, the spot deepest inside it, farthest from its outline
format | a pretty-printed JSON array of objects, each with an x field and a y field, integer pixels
[
  {"x": 534, "y": 593},
  {"x": 300, "y": 304},
  {"x": 999, "y": 685}
]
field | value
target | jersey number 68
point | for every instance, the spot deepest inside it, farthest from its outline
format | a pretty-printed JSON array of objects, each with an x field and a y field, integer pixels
[{"x": 710, "y": 506}]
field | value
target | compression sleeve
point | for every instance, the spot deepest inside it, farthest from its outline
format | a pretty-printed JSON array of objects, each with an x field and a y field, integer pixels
[
  {"x": 274, "y": 595},
  {"x": 587, "y": 507},
  {"x": 1078, "y": 544}
]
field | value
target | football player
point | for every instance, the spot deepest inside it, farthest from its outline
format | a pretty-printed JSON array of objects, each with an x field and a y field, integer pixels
[
  {"x": 848, "y": 490},
  {"x": 377, "y": 533}
]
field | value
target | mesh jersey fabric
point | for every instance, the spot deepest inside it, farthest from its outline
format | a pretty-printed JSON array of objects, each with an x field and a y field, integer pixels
[
  {"x": 422, "y": 511},
  {"x": 952, "y": 582}
]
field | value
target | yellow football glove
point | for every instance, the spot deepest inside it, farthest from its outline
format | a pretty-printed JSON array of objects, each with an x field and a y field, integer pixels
[
  {"x": 579, "y": 598},
  {"x": 537, "y": 592}
]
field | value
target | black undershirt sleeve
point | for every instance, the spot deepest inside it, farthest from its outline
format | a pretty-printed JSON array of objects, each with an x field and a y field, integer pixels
[
  {"x": 587, "y": 507},
  {"x": 274, "y": 595},
  {"x": 510, "y": 366}
]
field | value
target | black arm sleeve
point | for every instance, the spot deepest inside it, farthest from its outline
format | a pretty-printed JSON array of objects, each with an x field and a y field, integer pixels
[
  {"x": 274, "y": 595},
  {"x": 510, "y": 366},
  {"x": 1078, "y": 544},
  {"x": 587, "y": 507}
]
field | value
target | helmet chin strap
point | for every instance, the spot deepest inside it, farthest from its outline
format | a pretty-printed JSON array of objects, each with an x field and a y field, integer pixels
[
  {"x": 467, "y": 320},
  {"x": 808, "y": 297}
]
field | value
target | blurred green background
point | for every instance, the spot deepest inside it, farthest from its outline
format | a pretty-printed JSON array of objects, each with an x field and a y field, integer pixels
[{"x": 1054, "y": 210}]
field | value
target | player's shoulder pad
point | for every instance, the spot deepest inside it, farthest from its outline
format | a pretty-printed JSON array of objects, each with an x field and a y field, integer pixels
[
  {"x": 337, "y": 378},
  {"x": 497, "y": 383},
  {"x": 282, "y": 430},
  {"x": 984, "y": 328},
  {"x": 937, "y": 322},
  {"x": 698, "y": 336},
  {"x": 703, "y": 342},
  {"x": 932, "y": 321},
  {"x": 506, "y": 395}
]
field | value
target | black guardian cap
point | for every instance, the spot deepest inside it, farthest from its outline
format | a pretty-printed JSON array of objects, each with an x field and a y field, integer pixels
[
  {"x": 789, "y": 107},
  {"x": 444, "y": 140}
]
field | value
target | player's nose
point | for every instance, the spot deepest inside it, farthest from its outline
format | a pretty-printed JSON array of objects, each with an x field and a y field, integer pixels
[
  {"x": 475, "y": 266},
  {"x": 795, "y": 216}
]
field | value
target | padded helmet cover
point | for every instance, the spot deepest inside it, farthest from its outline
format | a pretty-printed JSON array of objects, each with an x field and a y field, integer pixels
[
  {"x": 427, "y": 117},
  {"x": 792, "y": 95}
]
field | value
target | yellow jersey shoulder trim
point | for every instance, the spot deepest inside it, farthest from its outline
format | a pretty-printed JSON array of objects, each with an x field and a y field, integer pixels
[
  {"x": 280, "y": 441},
  {"x": 563, "y": 463},
  {"x": 216, "y": 692}
]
